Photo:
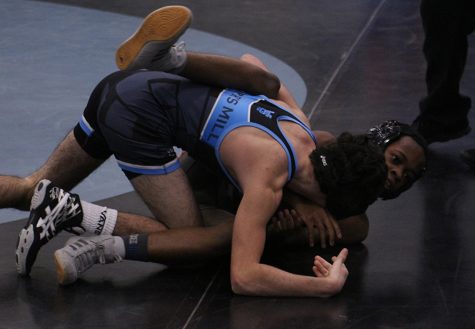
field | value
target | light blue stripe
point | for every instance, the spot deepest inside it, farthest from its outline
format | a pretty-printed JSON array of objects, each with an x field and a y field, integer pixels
[
  {"x": 151, "y": 171},
  {"x": 85, "y": 127}
]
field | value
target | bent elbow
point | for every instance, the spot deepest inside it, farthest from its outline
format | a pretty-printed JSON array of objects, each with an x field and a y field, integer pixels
[
  {"x": 237, "y": 287},
  {"x": 240, "y": 283}
]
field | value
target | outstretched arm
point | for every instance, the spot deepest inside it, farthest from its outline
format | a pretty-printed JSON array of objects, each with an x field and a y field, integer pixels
[{"x": 250, "y": 277}]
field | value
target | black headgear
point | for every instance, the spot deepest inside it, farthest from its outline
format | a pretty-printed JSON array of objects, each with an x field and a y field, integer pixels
[{"x": 389, "y": 131}]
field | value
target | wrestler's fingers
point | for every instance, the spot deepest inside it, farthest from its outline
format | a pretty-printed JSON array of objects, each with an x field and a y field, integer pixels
[
  {"x": 298, "y": 219},
  {"x": 322, "y": 267},
  {"x": 322, "y": 262},
  {"x": 330, "y": 231},
  {"x": 286, "y": 218},
  {"x": 321, "y": 232},
  {"x": 317, "y": 272},
  {"x": 337, "y": 229},
  {"x": 341, "y": 258},
  {"x": 292, "y": 219},
  {"x": 310, "y": 233}
]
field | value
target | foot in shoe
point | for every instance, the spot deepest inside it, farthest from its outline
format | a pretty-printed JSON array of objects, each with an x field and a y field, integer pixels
[
  {"x": 52, "y": 210},
  {"x": 80, "y": 253},
  {"x": 153, "y": 39}
]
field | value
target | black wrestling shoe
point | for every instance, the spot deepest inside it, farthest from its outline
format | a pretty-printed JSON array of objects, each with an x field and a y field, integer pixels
[
  {"x": 468, "y": 156},
  {"x": 52, "y": 210},
  {"x": 150, "y": 47},
  {"x": 434, "y": 134}
]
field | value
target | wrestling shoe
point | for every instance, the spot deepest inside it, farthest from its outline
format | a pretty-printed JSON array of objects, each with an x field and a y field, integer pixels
[
  {"x": 150, "y": 45},
  {"x": 80, "y": 253},
  {"x": 52, "y": 210}
]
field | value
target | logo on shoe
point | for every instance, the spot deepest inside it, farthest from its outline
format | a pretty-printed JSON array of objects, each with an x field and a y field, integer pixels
[
  {"x": 48, "y": 229},
  {"x": 73, "y": 208}
]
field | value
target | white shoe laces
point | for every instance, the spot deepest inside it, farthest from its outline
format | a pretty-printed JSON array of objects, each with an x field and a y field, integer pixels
[
  {"x": 65, "y": 209},
  {"x": 92, "y": 253},
  {"x": 53, "y": 216}
]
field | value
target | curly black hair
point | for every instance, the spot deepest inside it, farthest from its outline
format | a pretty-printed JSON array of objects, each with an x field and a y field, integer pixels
[{"x": 351, "y": 172}]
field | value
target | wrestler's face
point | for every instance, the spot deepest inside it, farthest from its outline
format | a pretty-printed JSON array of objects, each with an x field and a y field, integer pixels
[{"x": 405, "y": 160}]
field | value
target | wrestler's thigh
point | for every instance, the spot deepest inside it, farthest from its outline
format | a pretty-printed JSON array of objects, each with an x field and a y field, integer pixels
[
  {"x": 170, "y": 198},
  {"x": 68, "y": 164}
]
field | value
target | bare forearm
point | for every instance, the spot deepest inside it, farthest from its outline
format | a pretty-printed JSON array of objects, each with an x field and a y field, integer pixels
[{"x": 265, "y": 280}]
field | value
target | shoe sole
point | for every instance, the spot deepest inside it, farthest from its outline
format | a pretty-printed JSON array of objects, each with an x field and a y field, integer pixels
[
  {"x": 61, "y": 273},
  {"x": 159, "y": 30},
  {"x": 60, "y": 269},
  {"x": 24, "y": 243},
  {"x": 26, "y": 237}
]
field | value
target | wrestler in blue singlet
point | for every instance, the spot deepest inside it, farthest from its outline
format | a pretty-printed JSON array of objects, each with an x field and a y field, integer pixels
[
  {"x": 140, "y": 116},
  {"x": 234, "y": 109}
]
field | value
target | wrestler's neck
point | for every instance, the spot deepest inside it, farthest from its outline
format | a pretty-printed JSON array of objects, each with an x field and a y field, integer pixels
[{"x": 305, "y": 184}]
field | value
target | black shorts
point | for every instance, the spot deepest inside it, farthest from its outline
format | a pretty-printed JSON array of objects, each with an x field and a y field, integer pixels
[{"x": 140, "y": 116}]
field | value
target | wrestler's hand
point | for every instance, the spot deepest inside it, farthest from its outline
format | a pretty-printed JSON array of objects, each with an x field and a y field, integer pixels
[
  {"x": 285, "y": 220},
  {"x": 319, "y": 219},
  {"x": 335, "y": 273}
]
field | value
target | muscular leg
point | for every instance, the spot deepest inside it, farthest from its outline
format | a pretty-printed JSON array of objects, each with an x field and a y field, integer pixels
[
  {"x": 205, "y": 185},
  {"x": 193, "y": 244},
  {"x": 128, "y": 223},
  {"x": 181, "y": 246},
  {"x": 66, "y": 167},
  {"x": 227, "y": 72},
  {"x": 170, "y": 198}
]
